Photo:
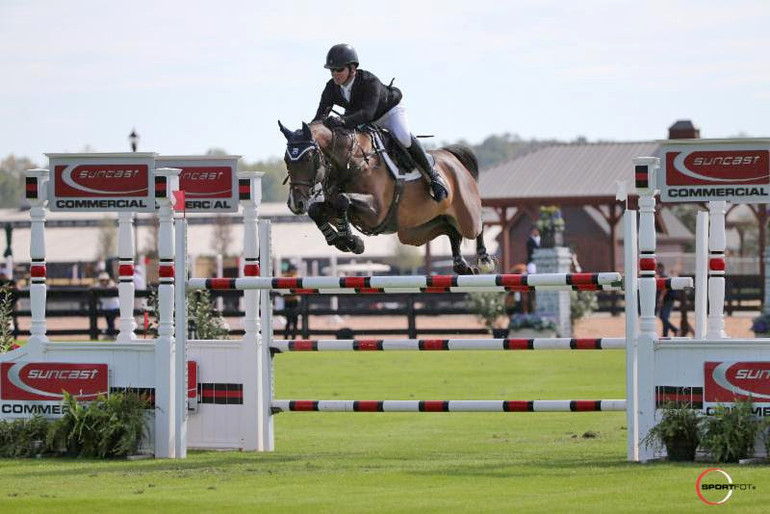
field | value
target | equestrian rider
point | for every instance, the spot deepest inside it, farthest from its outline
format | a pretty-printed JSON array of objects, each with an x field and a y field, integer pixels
[{"x": 367, "y": 100}]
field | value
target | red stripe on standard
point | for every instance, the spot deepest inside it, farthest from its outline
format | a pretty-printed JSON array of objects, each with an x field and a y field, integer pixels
[
  {"x": 126, "y": 270},
  {"x": 32, "y": 187},
  {"x": 586, "y": 344},
  {"x": 441, "y": 281},
  {"x": 244, "y": 188},
  {"x": 303, "y": 405},
  {"x": 37, "y": 271},
  {"x": 517, "y": 406},
  {"x": 220, "y": 283},
  {"x": 585, "y": 406},
  {"x": 251, "y": 270},
  {"x": 303, "y": 345},
  {"x": 367, "y": 406},
  {"x": 518, "y": 344},
  {"x": 368, "y": 345},
  {"x": 511, "y": 280},
  {"x": 213, "y": 393},
  {"x": 434, "y": 344},
  {"x": 434, "y": 406},
  {"x": 354, "y": 282},
  {"x": 287, "y": 283},
  {"x": 647, "y": 264},
  {"x": 166, "y": 271},
  {"x": 717, "y": 264}
]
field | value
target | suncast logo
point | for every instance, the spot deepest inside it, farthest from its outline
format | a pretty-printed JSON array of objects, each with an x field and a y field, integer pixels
[
  {"x": 46, "y": 381},
  {"x": 718, "y": 167},
  {"x": 726, "y": 381},
  {"x": 101, "y": 180}
]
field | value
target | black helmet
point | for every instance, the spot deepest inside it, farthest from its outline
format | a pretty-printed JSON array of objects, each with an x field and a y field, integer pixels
[{"x": 340, "y": 56}]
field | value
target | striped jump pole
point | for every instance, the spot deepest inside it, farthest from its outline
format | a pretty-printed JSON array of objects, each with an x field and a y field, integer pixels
[
  {"x": 386, "y": 345},
  {"x": 448, "y": 405},
  {"x": 590, "y": 281},
  {"x": 432, "y": 284}
]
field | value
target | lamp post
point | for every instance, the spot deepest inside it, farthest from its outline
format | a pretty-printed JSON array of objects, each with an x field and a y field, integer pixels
[{"x": 133, "y": 138}]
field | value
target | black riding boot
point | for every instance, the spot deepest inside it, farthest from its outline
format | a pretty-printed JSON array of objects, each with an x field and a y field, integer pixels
[{"x": 420, "y": 157}]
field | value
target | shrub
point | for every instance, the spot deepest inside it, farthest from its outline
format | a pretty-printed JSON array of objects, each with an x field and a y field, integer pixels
[
  {"x": 488, "y": 307},
  {"x": 208, "y": 323},
  {"x": 7, "y": 341},
  {"x": 534, "y": 321},
  {"x": 107, "y": 427},
  {"x": 23, "y": 437},
  {"x": 581, "y": 303},
  {"x": 731, "y": 432}
]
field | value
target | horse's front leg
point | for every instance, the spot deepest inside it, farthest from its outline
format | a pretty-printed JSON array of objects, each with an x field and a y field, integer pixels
[
  {"x": 351, "y": 242},
  {"x": 321, "y": 213}
]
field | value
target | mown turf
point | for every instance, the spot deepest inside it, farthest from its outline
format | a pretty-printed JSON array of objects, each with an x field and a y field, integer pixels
[{"x": 393, "y": 462}]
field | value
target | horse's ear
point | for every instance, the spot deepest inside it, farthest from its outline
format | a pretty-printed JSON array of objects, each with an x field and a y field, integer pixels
[
  {"x": 286, "y": 132},
  {"x": 306, "y": 130}
]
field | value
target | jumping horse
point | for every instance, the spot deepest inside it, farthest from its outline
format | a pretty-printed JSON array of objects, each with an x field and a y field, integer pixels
[{"x": 340, "y": 177}]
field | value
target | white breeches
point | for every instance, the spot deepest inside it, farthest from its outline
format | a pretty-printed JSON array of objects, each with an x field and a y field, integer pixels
[{"x": 395, "y": 121}]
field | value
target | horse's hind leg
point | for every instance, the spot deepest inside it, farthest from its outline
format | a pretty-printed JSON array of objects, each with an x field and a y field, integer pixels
[
  {"x": 484, "y": 261},
  {"x": 461, "y": 266}
]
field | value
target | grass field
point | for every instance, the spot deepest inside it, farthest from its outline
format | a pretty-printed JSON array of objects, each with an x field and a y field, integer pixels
[{"x": 393, "y": 462}]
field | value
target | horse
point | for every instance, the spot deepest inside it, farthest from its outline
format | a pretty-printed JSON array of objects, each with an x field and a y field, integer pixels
[{"x": 358, "y": 188}]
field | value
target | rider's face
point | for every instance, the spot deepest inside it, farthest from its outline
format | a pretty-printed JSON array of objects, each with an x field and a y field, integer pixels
[{"x": 342, "y": 76}]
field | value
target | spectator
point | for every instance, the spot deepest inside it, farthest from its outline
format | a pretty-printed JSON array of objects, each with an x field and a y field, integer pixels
[
  {"x": 109, "y": 303},
  {"x": 665, "y": 304},
  {"x": 291, "y": 308},
  {"x": 10, "y": 285},
  {"x": 533, "y": 242}
]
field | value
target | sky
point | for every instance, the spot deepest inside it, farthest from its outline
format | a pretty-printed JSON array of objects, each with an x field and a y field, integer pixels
[{"x": 193, "y": 75}]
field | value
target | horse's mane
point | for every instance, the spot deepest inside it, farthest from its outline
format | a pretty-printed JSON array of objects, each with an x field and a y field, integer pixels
[{"x": 466, "y": 156}]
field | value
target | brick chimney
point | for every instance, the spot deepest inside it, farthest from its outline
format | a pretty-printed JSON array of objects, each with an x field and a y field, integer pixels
[{"x": 683, "y": 129}]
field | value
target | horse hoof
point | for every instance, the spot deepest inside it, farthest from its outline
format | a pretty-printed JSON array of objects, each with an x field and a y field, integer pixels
[
  {"x": 341, "y": 244},
  {"x": 356, "y": 245},
  {"x": 487, "y": 264},
  {"x": 462, "y": 268}
]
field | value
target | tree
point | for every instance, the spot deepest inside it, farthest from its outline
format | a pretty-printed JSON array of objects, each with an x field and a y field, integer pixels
[{"x": 12, "y": 180}]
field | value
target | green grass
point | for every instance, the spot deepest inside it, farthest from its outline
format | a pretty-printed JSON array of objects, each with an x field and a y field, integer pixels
[{"x": 373, "y": 462}]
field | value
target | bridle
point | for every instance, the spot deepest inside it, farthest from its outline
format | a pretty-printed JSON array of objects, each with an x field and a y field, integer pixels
[{"x": 295, "y": 152}]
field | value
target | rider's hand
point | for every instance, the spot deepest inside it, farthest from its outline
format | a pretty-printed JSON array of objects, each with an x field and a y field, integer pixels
[{"x": 333, "y": 122}]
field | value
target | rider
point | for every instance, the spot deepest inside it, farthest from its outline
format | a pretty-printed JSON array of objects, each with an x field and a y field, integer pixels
[{"x": 367, "y": 100}]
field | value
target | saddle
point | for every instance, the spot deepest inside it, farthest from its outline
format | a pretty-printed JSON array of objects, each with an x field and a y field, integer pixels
[{"x": 396, "y": 157}]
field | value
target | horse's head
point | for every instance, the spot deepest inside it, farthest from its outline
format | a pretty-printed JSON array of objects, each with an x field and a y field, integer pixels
[{"x": 305, "y": 164}]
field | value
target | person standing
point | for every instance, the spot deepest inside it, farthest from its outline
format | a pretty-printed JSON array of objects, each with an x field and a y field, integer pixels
[
  {"x": 291, "y": 308},
  {"x": 109, "y": 303},
  {"x": 665, "y": 304},
  {"x": 533, "y": 243}
]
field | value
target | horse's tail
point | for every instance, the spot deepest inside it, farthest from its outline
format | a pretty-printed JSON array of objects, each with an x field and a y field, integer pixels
[{"x": 466, "y": 156}]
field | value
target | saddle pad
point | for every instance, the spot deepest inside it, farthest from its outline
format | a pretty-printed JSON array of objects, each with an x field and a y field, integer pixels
[{"x": 394, "y": 171}]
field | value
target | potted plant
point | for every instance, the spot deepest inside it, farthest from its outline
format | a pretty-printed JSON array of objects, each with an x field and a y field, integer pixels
[
  {"x": 490, "y": 309},
  {"x": 678, "y": 431},
  {"x": 730, "y": 434},
  {"x": 551, "y": 226},
  {"x": 530, "y": 326}
]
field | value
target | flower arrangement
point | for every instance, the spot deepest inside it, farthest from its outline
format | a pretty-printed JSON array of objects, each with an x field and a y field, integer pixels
[
  {"x": 551, "y": 226},
  {"x": 533, "y": 321},
  {"x": 761, "y": 325}
]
